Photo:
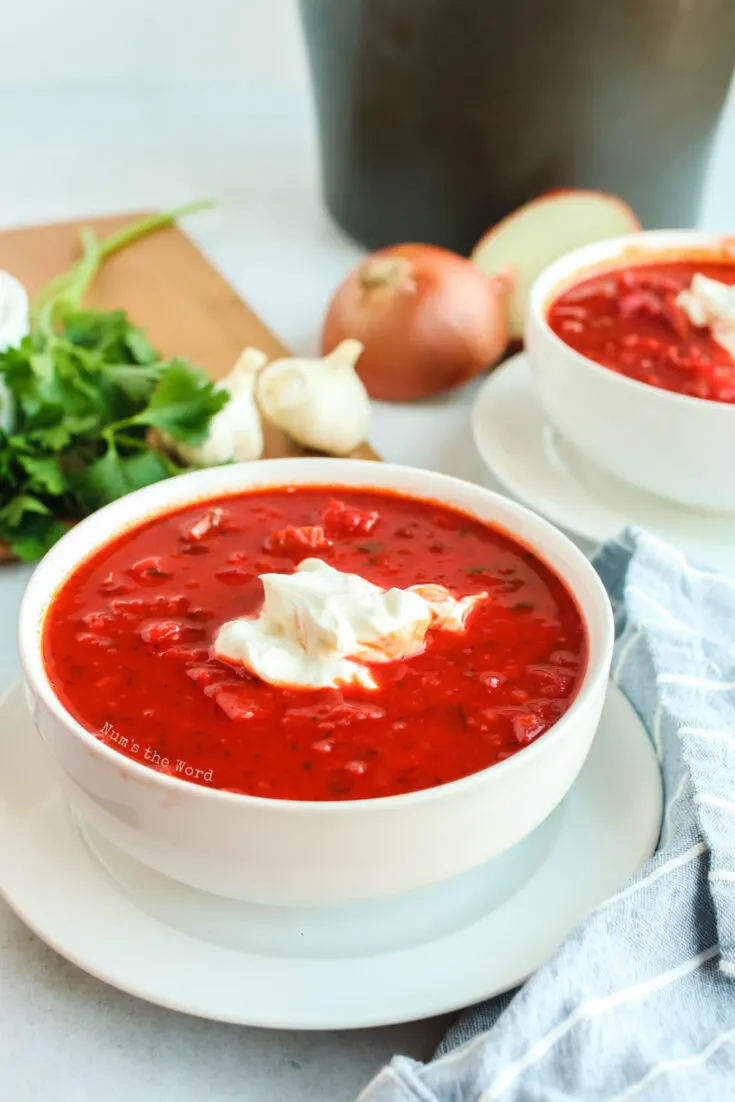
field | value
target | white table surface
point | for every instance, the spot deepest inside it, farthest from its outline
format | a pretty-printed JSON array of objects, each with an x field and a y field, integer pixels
[{"x": 64, "y": 1036}]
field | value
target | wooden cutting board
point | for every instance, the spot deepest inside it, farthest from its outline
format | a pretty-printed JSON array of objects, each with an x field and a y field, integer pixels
[{"x": 167, "y": 287}]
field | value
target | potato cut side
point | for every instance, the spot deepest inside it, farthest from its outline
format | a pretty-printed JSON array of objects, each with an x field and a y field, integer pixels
[{"x": 541, "y": 231}]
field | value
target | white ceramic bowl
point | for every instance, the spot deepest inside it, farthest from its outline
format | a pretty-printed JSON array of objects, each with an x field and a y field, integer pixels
[
  {"x": 14, "y": 309},
  {"x": 302, "y": 853},
  {"x": 672, "y": 445}
]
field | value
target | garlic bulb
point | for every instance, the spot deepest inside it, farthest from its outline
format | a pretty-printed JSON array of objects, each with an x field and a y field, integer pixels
[
  {"x": 235, "y": 433},
  {"x": 321, "y": 403}
]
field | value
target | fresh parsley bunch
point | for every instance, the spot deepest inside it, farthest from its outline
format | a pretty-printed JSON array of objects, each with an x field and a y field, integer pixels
[{"x": 85, "y": 389}]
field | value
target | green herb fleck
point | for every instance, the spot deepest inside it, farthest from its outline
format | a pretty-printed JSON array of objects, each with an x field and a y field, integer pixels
[{"x": 370, "y": 547}]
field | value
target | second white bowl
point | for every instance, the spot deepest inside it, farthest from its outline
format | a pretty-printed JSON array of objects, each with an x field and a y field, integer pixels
[{"x": 672, "y": 445}]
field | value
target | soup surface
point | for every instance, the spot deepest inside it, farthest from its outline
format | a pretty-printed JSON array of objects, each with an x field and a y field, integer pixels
[
  {"x": 127, "y": 644},
  {"x": 628, "y": 320}
]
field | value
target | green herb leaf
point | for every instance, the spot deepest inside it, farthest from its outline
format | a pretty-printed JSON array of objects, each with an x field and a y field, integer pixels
[
  {"x": 183, "y": 403},
  {"x": 137, "y": 381},
  {"x": 371, "y": 547},
  {"x": 114, "y": 475},
  {"x": 38, "y": 535},
  {"x": 44, "y": 474},
  {"x": 13, "y": 512},
  {"x": 140, "y": 350},
  {"x": 110, "y": 335},
  {"x": 57, "y": 437}
]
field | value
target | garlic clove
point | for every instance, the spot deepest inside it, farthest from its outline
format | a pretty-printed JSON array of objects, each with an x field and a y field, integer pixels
[
  {"x": 347, "y": 353},
  {"x": 322, "y": 403},
  {"x": 242, "y": 377},
  {"x": 235, "y": 433},
  {"x": 291, "y": 387}
]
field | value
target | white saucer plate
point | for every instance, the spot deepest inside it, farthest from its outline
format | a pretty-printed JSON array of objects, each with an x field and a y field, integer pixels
[
  {"x": 370, "y": 964},
  {"x": 541, "y": 470}
]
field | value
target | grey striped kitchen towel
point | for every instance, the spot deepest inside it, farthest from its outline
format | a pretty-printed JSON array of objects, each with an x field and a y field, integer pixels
[{"x": 639, "y": 1002}]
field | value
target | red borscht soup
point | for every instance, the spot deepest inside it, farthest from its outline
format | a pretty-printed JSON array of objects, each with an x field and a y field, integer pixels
[
  {"x": 628, "y": 320},
  {"x": 128, "y": 648}
]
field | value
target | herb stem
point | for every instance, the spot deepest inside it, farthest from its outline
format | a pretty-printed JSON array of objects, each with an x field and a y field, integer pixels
[
  {"x": 109, "y": 432},
  {"x": 150, "y": 224},
  {"x": 66, "y": 292},
  {"x": 131, "y": 441}
]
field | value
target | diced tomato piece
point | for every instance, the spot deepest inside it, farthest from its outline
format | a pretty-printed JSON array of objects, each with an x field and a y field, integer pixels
[
  {"x": 200, "y": 615},
  {"x": 205, "y": 674},
  {"x": 234, "y": 575},
  {"x": 446, "y": 521},
  {"x": 176, "y": 605},
  {"x": 131, "y": 609},
  {"x": 149, "y": 571},
  {"x": 339, "y": 713},
  {"x": 677, "y": 318},
  {"x": 563, "y": 658},
  {"x": 578, "y": 313},
  {"x": 628, "y": 280},
  {"x": 641, "y": 343},
  {"x": 135, "y": 608},
  {"x": 635, "y": 279},
  {"x": 112, "y": 586},
  {"x": 349, "y": 712},
  {"x": 209, "y": 523},
  {"x": 94, "y": 639},
  {"x": 641, "y": 302},
  {"x": 293, "y": 541},
  {"x": 188, "y": 652},
  {"x": 237, "y": 707},
  {"x": 553, "y": 681},
  {"x": 164, "y": 631},
  {"x": 98, "y": 621},
  {"x": 169, "y": 631},
  {"x": 346, "y": 520},
  {"x": 527, "y": 727},
  {"x": 194, "y": 549}
]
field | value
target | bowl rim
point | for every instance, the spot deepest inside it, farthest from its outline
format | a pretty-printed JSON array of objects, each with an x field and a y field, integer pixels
[
  {"x": 563, "y": 270},
  {"x": 39, "y": 595}
]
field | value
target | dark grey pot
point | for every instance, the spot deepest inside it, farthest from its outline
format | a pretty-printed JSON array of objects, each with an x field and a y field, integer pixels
[{"x": 438, "y": 117}]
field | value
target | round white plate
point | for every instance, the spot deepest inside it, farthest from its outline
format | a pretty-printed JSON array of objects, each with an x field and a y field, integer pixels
[
  {"x": 371, "y": 964},
  {"x": 544, "y": 472}
]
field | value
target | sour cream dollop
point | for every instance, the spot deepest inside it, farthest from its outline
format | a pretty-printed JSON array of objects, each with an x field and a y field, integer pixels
[
  {"x": 318, "y": 627},
  {"x": 711, "y": 304}
]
